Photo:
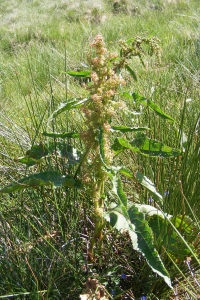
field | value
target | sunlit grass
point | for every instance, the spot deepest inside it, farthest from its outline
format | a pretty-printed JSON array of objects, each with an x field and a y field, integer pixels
[{"x": 44, "y": 234}]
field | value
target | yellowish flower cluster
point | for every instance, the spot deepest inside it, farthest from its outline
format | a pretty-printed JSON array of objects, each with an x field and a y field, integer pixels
[{"x": 101, "y": 108}]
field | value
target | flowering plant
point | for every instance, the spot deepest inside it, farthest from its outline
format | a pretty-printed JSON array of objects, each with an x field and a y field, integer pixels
[{"x": 106, "y": 99}]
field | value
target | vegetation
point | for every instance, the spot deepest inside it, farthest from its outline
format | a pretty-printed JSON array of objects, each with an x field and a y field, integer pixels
[{"x": 99, "y": 145}]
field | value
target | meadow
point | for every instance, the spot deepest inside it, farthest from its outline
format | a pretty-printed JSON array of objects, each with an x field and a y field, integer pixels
[{"x": 99, "y": 149}]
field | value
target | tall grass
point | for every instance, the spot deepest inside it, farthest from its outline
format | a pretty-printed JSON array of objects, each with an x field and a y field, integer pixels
[{"x": 45, "y": 233}]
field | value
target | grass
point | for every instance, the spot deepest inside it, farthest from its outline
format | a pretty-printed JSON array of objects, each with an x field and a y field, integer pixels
[{"x": 45, "y": 233}]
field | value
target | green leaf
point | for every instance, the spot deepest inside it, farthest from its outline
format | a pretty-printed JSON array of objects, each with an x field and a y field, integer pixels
[
  {"x": 159, "y": 111},
  {"x": 82, "y": 74},
  {"x": 123, "y": 128},
  {"x": 28, "y": 161},
  {"x": 146, "y": 245},
  {"x": 145, "y": 146},
  {"x": 118, "y": 190},
  {"x": 119, "y": 219},
  {"x": 133, "y": 222},
  {"x": 141, "y": 60},
  {"x": 132, "y": 73},
  {"x": 144, "y": 101},
  {"x": 149, "y": 185},
  {"x": 121, "y": 144},
  {"x": 139, "y": 99},
  {"x": 62, "y": 135},
  {"x": 48, "y": 178},
  {"x": 125, "y": 171},
  {"x": 70, "y": 104},
  {"x": 185, "y": 224},
  {"x": 127, "y": 95},
  {"x": 170, "y": 240},
  {"x": 153, "y": 147},
  {"x": 37, "y": 151}
]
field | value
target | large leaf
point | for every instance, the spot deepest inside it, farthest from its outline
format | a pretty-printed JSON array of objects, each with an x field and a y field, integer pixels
[
  {"x": 123, "y": 128},
  {"x": 62, "y": 135},
  {"x": 121, "y": 144},
  {"x": 153, "y": 148},
  {"x": 70, "y": 104},
  {"x": 150, "y": 210},
  {"x": 34, "y": 154},
  {"x": 146, "y": 245},
  {"x": 133, "y": 222},
  {"x": 63, "y": 149},
  {"x": 119, "y": 219},
  {"x": 149, "y": 185},
  {"x": 146, "y": 102},
  {"x": 170, "y": 240},
  {"x": 48, "y": 178},
  {"x": 145, "y": 146}
]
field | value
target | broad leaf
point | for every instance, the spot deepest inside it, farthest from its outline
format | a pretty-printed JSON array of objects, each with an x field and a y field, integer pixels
[
  {"x": 170, "y": 240},
  {"x": 121, "y": 144},
  {"x": 159, "y": 111},
  {"x": 62, "y": 135},
  {"x": 139, "y": 99},
  {"x": 119, "y": 219},
  {"x": 145, "y": 146},
  {"x": 34, "y": 155},
  {"x": 150, "y": 210},
  {"x": 48, "y": 178},
  {"x": 133, "y": 222},
  {"x": 153, "y": 148},
  {"x": 146, "y": 245},
  {"x": 149, "y": 185},
  {"x": 123, "y": 128}
]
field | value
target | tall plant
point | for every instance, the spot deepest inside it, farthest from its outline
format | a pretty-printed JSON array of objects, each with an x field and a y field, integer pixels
[{"x": 97, "y": 165}]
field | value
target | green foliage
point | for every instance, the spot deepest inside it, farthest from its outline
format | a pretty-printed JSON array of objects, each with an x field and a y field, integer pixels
[
  {"x": 144, "y": 145},
  {"x": 48, "y": 178},
  {"x": 98, "y": 114},
  {"x": 49, "y": 224}
]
